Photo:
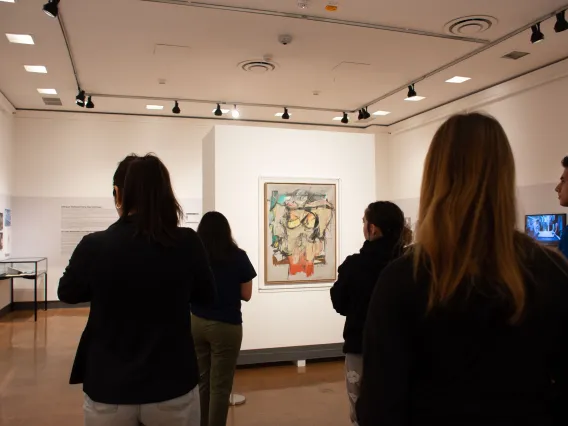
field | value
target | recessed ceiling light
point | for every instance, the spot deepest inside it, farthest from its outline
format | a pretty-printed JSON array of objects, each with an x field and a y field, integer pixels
[
  {"x": 224, "y": 111},
  {"x": 47, "y": 91},
  {"x": 458, "y": 79},
  {"x": 36, "y": 68},
  {"x": 381, "y": 113},
  {"x": 280, "y": 114},
  {"x": 157, "y": 107},
  {"x": 415, "y": 98},
  {"x": 20, "y": 38},
  {"x": 337, "y": 118},
  {"x": 9, "y": 1}
]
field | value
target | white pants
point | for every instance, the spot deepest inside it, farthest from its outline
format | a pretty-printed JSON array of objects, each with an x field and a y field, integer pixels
[{"x": 182, "y": 411}]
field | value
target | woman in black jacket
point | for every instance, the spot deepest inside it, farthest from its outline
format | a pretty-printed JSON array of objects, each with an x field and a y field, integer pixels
[
  {"x": 471, "y": 327},
  {"x": 136, "y": 357},
  {"x": 384, "y": 231}
]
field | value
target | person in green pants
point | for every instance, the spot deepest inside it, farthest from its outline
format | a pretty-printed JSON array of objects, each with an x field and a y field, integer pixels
[{"x": 217, "y": 329}]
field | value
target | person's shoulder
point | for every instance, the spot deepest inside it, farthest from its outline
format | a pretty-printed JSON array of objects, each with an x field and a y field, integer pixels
[
  {"x": 399, "y": 275},
  {"x": 240, "y": 254},
  {"x": 351, "y": 262}
]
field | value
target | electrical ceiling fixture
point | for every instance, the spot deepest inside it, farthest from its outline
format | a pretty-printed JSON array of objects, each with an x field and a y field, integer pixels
[
  {"x": 90, "y": 104},
  {"x": 51, "y": 8},
  {"x": 285, "y": 115},
  {"x": 360, "y": 116},
  {"x": 36, "y": 68},
  {"x": 412, "y": 96},
  {"x": 155, "y": 107},
  {"x": 366, "y": 113},
  {"x": 47, "y": 91},
  {"x": 537, "y": 35},
  {"x": 80, "y": 98},
  {"x": 561, "y": 23},
  {"x": 9, "y": 1},
  {"x": 20, "y": 38},
  {"x": 345, "y": 119},
  {"x": 235, "y": 112},
  {"x": 220, "y": 111},
  {"x": 457, "y": 79},
  {"x": 381, "y": 113},
  {"x": 176, "y": 109}
]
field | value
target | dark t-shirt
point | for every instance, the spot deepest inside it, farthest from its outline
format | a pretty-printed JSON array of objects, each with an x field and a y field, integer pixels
[{"x": 229, "y": 275}]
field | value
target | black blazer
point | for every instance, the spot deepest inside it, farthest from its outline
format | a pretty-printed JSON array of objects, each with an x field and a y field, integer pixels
[
  {"x": 137, "y": 347},
  {"x": 464, "y": 364}
]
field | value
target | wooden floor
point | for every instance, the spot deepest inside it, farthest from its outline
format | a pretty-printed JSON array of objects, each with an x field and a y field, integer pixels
[{"x": 36, "y": 358}]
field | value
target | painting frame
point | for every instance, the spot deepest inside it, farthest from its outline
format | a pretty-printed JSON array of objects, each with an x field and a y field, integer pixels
[{"x": 270, "y": 285}]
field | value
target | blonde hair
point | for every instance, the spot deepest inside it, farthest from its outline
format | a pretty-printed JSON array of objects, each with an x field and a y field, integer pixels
[{"x": 467, "y": 216}]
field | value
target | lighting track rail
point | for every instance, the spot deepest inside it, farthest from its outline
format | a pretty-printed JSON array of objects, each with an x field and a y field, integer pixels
[
  {"x": 317, "y": 19},
  {"x": 465, "y": 57}
]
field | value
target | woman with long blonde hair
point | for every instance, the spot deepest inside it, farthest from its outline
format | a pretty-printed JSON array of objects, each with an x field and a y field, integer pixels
[{"x": 471, "y": 326}]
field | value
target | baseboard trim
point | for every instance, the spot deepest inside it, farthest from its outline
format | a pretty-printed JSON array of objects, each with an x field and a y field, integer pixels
[
  {"x": 29, "y": 306},
  {"x": 290, "y": 354},
  {"x": 5, "y": 310}
]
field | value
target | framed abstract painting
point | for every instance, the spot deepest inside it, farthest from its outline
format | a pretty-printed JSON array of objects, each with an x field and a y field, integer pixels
[{"x": 300, "y": 233}]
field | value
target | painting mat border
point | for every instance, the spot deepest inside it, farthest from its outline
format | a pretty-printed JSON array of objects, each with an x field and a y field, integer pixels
[{"x": 263, "y": 287}]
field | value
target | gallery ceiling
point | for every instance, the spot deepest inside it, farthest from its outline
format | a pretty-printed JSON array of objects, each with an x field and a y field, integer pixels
[{"x": 132, "y": 53}]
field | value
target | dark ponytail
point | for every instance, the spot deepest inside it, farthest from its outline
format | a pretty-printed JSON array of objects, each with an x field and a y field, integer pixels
[
  {"x": 149, "y": 197},
  {"x": 390, "y": 219}
]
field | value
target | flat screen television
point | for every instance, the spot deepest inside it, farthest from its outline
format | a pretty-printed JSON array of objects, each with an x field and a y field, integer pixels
[{"x": 545, "y": 228}]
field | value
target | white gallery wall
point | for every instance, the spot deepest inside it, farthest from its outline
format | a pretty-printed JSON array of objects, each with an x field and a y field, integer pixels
[
  {"x": 241, "y": 157},
  {"x": 6, "y": 185},
  {"x": 532, "y": 111},
  {"x": 70, "y": 159}
]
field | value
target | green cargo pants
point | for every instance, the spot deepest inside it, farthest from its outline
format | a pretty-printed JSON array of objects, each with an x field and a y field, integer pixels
[{"x": 217, "y": 345}]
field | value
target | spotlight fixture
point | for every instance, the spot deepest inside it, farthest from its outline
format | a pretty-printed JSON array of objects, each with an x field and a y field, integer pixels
[
  {"x": 366, "y": 113},
  {"x": 345, "y": 119},
  {"x": 411, "y": 92},
  {"x": 176, "y": 109},
  {"x": 90, "y": 104},
  {"x": 235, "y": 112},
  {"x": 80, "y": 98},
  {"x": 51, "y": 8},
  {"x": 218, "y": 112},
  {"x": 537, "y": 35},
  {"x": 285, "y": 116},
  {"x": 561, "y": 23},
  {"x": 360, "y": 116}
]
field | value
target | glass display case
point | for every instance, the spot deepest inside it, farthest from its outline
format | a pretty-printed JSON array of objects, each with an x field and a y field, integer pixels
[{"x": 30, "y": 268}]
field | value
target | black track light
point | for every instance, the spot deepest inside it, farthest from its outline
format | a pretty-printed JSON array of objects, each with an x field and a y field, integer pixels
[
  {"x": 561, "y": 23},
  {"x": 361, "y": 115},
  {"x": 537, "y": 36},
  {"x": 51, "y": 8},
  {"x": 90, "y": 104},
  {"x": 366, "y": 113},
  {"x": 285, "y": 116},
  {"x": 345, "y": 119},
  {"x": 411, "y": 91},
  {"x": 176, "y": 109},
  {"x": 80, "y": 98},
  {"x": 218, "y": 111}
]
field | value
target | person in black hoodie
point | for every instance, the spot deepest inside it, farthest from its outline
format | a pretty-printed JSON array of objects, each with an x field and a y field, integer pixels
[{"x": 384, "y": 231}]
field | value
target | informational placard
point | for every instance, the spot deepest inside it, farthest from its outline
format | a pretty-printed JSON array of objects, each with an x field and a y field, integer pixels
[{"x": 80, "y": 220}]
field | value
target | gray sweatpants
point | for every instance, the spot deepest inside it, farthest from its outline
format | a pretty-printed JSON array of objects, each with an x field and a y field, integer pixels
[
  {"x": 353, "y": 374},
  {"x": 182, "y": 411}
]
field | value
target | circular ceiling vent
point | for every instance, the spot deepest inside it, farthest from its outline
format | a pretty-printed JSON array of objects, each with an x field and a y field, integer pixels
[
  {"x": 470, "y": 25},
  {"x": 258, "y": 67}
]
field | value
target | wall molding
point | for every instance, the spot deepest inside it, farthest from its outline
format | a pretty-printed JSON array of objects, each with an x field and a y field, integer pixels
[{"x": 290, "y": 354}]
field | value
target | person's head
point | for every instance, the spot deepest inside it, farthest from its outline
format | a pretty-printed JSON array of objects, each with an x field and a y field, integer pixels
[
  {"x": 148, "y": 197},
  {"x": 383, "y": 219},
  {"x": 118, "y": 181},
  {"x": 467, "y": 218},
  {"x": 562, "y": 187},
  {"x": 215, "y": 233}
]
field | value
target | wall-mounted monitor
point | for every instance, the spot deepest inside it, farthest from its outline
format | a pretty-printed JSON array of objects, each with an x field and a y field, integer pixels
[{"x": 545, "y": 228}]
